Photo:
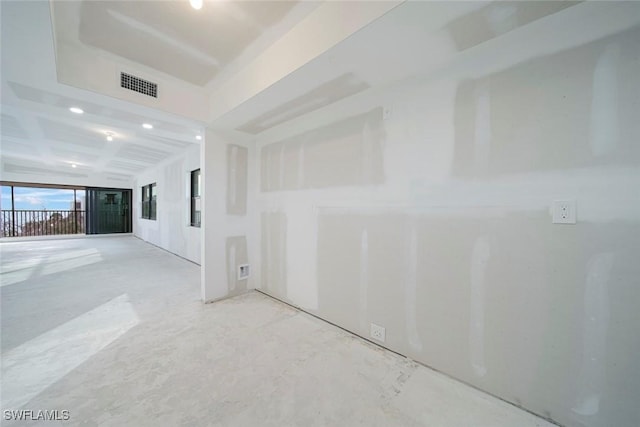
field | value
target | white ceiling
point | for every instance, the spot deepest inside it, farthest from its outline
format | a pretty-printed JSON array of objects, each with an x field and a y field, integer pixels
[
  {"x": 199, "y": 43},
  {"x": 42, "y": 139},
  {"x": 62, "y": 54},
  {"x": 243, "y": 68}
]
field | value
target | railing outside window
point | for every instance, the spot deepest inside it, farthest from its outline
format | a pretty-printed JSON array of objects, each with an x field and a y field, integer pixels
[{"x": 42, "y": 222}]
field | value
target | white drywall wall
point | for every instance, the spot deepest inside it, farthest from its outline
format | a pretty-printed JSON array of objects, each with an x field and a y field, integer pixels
[
  {"x": 424, "y": 207},
  {"x": 171, "y": 230},
  {"x": 228, "y": 216}
]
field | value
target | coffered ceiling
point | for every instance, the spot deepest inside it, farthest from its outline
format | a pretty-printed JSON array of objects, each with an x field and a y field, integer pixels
[{"x": 244, "y": 68}]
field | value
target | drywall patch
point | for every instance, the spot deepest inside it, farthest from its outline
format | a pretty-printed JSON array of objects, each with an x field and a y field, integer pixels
[
  {"x": 327, "y": 93},
  {"x": 482, "y": 134},
  {"x": 352, "y": 146},
  {"x": 479, "y": 260},
  {"x": 274, "y": 253},
  {"x": 302, "y": 232},
  {"x": 499, "y": 18},
  {"x": 364, "y": 279},
  {"x": 339, "y": 270},
  {"x": 604, "y": 127},
  {"x": 595, "y": 326},
  {"x": 236, "y": 254},
  {"x": 237, "y": 176},
  {"x": 532, "y": 105},
  {"x": 411, "y": 289}
]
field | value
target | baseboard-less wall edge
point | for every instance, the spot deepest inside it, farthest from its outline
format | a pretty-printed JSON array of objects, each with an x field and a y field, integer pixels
[
  {"x": 408, "y": 358},
  {"x": 166, "y": 250},
  {"x": 226, "y": 297}
]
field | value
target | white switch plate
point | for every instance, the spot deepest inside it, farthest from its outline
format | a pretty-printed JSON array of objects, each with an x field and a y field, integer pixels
[
  {"x": 564, "y": 212},
  {"x": 377, "y": 332}
]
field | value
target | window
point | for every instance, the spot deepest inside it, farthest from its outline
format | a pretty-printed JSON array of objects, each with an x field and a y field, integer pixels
[
  {"x": 149, "y": 196},
  {"x": 195, "y": 198}
]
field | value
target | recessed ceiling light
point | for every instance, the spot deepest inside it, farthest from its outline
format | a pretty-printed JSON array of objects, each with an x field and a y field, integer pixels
[
  {"x": 73, "y": 166},
  {"x": 109, "y": 136},
  {"x": 196, "y": 4},
  {"x": 147, "y": 126},
  {"x": 198, "y": 137},
  {"x": 76, "y": 110}
]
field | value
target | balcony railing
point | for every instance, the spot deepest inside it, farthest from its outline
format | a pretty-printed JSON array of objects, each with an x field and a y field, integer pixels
[{"x": 42, "y": 222}]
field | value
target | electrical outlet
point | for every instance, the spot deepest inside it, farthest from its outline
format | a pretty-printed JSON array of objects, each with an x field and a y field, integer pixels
[
  {"x": 377, "y": 332},
  {"x": 564, "y": 212}
]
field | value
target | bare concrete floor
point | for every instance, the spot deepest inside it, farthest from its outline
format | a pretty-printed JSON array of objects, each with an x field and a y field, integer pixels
[{"x": 112, "y": 330}]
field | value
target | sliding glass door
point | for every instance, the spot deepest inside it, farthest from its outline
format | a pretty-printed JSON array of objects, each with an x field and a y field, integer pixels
[{"x": 108, "y": 210}]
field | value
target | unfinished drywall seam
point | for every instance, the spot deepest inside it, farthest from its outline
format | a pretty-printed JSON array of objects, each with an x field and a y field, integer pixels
[
  {"x": 482, "y": 131},
  {"x": 231, "y": 266},
  {"x": 604, "y": 127},
  {"x": 364, "y": 278},
  {"x": 301, "y": 166},
  {"x": 595, "y": 325},
  {"x": 281, "y": 168},
  {"x": 367, "y": 154},
  {"x": 233, "y": 165},
  {"x": 479, "y": 260},
  {"x": 411, "y": 291}
]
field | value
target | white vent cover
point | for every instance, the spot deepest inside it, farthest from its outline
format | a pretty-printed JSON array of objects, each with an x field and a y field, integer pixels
[
  {"x": 139, "y": 85},
  {"x": 243, "y": 271}
]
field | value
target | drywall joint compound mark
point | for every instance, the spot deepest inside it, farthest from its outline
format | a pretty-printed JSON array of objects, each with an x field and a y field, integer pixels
[
  {"x": 604, "y": 127},
  {"x": 281, "y": 169},
  {"x": 364, "y": 278},
  {"x": 267, "y": 166},
  {"x": 301, "y": 166},
  {"x": 282, "y": 269},
  {"x": 366, "y": 166},
  {"x": 231, "y": 266},
  {"x": 411, "y": 292},
  {"x": 479, "y": 261},
  {"x": 233, "y": 161},
  {"x": 482, "y": 131},
  {"x": 595, "y": 324}
]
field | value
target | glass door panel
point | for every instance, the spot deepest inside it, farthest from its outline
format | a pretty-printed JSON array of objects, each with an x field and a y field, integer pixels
[{"x": 108, "y": 211}]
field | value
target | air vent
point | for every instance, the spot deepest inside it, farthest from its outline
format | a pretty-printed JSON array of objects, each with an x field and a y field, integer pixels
[{"x": 139, "y": 85}]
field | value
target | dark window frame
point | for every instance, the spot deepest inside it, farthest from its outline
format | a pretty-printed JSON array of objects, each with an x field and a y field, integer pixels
[
  {"x": 149, "y": 202},
  {"x": 195, "y": 218}
]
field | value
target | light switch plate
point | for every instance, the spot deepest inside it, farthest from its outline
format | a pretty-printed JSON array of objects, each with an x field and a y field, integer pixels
[{"x": 564, "y": 212}]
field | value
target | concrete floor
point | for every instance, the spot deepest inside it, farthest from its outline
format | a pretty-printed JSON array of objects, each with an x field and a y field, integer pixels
[{"x": 112, "y": 330}]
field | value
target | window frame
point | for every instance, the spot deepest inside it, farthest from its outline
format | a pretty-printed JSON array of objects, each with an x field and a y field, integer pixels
[
  {"x": 195, "y": 218},
  {"x": 148, "y": 205}
]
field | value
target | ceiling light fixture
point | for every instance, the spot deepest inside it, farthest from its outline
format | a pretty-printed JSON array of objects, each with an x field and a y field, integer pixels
[
  {"x": 196, "y": 4},
  {"x": 198, "y": 137},
  {"x": 147, "y": 126},
  {"x": 76, "y": 110},
  {"x": 73, "y": 166},
  {"x": 109, "y": 136}
]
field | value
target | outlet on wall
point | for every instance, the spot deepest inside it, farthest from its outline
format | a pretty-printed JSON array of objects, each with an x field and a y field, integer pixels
[
  {"x": 564, "y": 212},
  {"x": 377, "y": 332}
]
